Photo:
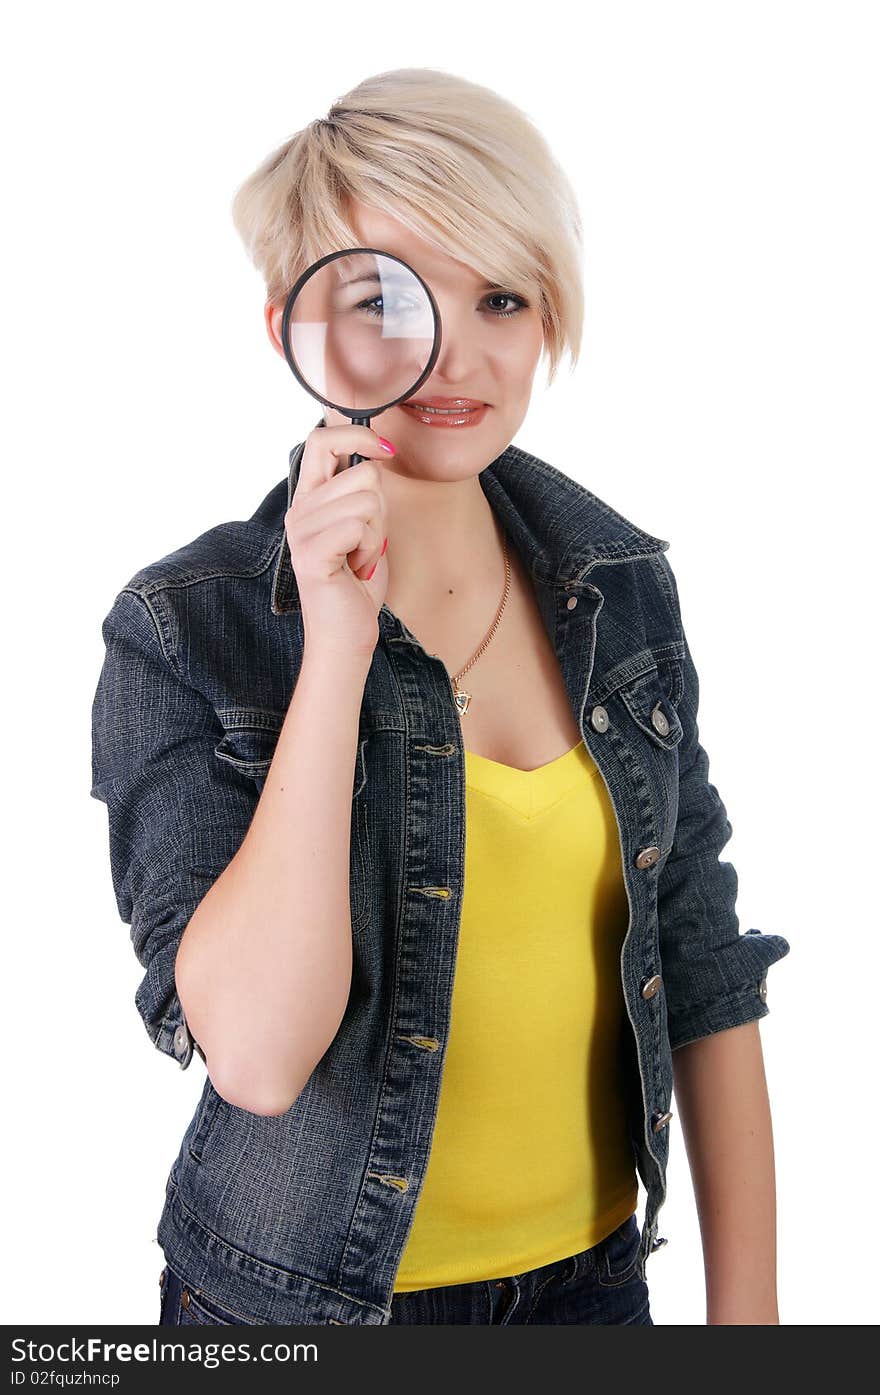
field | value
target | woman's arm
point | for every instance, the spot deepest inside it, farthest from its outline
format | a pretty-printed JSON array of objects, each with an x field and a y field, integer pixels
[
  {"x": 263, "y": 970},
  {"x": 724, "y": 1109}
]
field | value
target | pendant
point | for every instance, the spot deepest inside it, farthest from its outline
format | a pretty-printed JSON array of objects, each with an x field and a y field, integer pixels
[{"x": 462, "y": 702}]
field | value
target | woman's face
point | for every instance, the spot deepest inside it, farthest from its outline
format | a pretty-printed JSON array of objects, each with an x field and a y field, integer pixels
[{"x": 491, "y": 345}]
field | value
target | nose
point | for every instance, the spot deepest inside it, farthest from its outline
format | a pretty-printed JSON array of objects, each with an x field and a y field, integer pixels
[{"x": 460, "y": 354}]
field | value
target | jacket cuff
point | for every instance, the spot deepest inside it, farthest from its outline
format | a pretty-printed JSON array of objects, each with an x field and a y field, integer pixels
[{"x": 745, "y": 1002}]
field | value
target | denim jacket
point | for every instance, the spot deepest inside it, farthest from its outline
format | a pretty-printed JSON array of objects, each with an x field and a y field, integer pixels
[{"x": 302, "y": 1218}]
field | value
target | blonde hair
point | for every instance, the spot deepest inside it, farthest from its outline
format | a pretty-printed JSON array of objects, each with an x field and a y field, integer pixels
[{"x": 456, "y": 163}]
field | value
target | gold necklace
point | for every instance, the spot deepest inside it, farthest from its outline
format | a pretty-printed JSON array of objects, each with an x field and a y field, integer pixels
[{"x": 463, "y": 699}]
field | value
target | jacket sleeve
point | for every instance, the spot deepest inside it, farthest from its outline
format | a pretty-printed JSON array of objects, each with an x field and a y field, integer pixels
[
  {"x": 176, "y": 813},
  {"x": 714, "y": 977}
]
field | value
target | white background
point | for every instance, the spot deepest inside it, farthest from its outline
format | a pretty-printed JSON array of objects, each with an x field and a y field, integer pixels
[{"x": 725, "y": 159}]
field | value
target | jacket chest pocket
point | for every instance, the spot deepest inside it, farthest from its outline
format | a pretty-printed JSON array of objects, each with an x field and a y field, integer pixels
[
  {"x": 248, "y": 746},
  {"x": 643, "y": 715}
]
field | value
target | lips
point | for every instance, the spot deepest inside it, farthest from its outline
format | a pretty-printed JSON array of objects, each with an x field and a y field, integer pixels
[
  {"x": 447, "y": 404},
  {"x": 447, "y": 418}
]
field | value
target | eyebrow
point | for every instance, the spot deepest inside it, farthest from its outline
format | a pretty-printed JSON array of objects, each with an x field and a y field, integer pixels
[{"x": 374, "y": 279}]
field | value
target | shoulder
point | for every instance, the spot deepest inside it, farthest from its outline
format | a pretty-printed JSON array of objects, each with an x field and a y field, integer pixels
[
  {"x": 242, "y": 549},
  {"x": 583, "y": 538},
  {"x": 556, "y": 487},
  {"x": 215, "y": 584},
  {"x": 568, "y": 523}
]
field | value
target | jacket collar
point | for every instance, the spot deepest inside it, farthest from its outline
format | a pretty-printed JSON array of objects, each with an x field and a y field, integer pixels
[{"x": 559, "y": 527}]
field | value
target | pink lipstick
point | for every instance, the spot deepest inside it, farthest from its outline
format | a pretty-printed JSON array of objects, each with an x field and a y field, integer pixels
[{"x": 446, "y": 412}]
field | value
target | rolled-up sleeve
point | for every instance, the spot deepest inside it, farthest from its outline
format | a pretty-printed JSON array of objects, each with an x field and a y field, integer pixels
[
  {"x": 176, "y": 813},
  {"x": 714, "y": 977}
]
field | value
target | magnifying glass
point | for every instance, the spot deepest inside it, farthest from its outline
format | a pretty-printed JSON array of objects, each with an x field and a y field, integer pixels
[{"x": 360, "y": 331}]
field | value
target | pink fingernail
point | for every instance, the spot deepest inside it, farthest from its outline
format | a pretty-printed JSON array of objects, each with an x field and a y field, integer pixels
[
  {"x": 386, "y": 445},
  {"x": 370, "y": 572},
  {"x": 384, "y": 545}
]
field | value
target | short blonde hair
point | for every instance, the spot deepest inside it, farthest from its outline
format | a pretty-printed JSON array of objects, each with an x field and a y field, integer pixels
[{"x": 456, "y": 163}]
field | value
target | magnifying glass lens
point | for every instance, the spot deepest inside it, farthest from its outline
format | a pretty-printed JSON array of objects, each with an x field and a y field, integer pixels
[{"x": 360, "y": 331}]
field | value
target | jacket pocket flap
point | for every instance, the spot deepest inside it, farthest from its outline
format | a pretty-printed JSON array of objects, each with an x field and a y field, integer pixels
[
  {"x": 250, "y": 738},
  {"x": 650, "y": 706}
]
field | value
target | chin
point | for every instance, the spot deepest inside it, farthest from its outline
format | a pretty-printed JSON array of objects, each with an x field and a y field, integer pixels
[
  {"x": 483, "y": 442},
  {"x": 449, "y": 466}
]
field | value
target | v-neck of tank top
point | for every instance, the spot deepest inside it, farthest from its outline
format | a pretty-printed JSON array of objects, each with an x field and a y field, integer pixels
[{"x": 529, "y": 792}]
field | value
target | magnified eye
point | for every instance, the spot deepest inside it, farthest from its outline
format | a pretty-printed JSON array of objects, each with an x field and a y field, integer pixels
[{"x": 395, "y": 309}]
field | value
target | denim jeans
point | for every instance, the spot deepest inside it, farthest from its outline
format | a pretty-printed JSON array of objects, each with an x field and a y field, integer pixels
[{"x": 599, "y": 1286}]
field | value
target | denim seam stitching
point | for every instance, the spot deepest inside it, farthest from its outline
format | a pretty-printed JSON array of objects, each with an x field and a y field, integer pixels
[
  {"x": 252, "y": 1262},
  {"x": 387, "y": 1048}
]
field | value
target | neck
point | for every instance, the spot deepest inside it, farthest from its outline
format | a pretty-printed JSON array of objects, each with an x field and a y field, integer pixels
[{"x": 444, "y": 543}]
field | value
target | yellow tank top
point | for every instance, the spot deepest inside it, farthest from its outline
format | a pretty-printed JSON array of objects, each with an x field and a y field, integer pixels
[{"x": 530, "y": 1160}]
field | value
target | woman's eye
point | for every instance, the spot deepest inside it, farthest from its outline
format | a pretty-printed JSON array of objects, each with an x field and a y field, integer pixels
[
  {"x": 379, "y": 309},
  {"x": 518, "y": 303}
]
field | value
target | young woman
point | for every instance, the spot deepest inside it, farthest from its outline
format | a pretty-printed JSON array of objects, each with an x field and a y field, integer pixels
[{"x": 410, "y": 818}]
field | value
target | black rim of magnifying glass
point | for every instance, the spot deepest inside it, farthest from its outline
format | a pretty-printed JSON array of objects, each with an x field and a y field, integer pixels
[{"x": 359, "y": 413}]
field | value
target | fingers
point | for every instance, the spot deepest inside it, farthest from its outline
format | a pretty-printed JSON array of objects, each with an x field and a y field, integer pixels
[
  {"x": 325, "y": 447},
  {"x": 365, "y": 557},
  {"x": 365, "y": 476},
  {"x": 329, "y": 508},
  {"x": 323, "y": 497},
  {"x": 323, "y": 553},
  {"x": 363, "y": 510}
]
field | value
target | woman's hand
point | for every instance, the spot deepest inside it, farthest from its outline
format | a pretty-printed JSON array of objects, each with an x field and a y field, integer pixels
[{"x": 336, "y": 530}]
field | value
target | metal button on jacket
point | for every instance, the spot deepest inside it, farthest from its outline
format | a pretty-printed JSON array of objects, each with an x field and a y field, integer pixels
[
  {"x": 571, "y": 602},
  {"x": 647, "y": 857},
  {"x": 181, "y": 1040},
  {"x": 651, "y": 986},
  {"x": 599, "y": 718},
  {"x": 659, "y": 720},
  {"x": 661, "y": 1120}
]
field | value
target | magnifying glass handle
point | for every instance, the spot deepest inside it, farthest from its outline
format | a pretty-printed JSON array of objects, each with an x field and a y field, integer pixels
[{"x": 358, "y": 421}]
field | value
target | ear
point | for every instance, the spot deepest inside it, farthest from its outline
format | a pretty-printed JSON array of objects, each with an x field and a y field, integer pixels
[{"x": 272, "y": 314}]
